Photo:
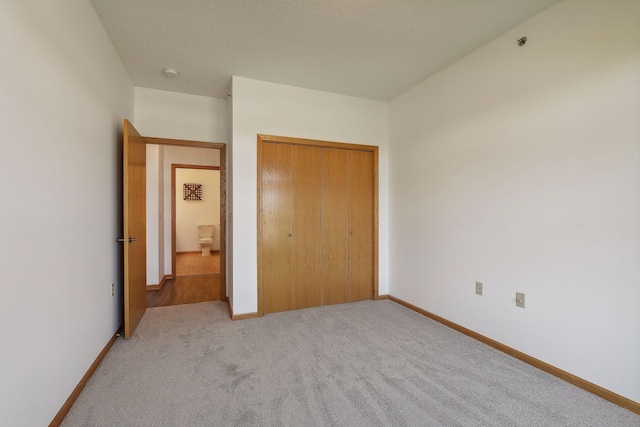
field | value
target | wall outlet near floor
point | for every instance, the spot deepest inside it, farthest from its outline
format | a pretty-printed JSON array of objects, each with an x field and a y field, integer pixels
[
  {"x": 113, "y": 289},
  {"x": 519, "y": 299},
  {"x": 479, "y": 288}
]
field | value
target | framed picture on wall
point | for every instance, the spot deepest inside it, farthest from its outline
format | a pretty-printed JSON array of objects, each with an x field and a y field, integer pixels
[{"x": 192, "y": 191}]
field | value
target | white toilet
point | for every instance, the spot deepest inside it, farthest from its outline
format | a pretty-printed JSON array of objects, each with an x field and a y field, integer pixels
[{"x": 205, "y": 241}]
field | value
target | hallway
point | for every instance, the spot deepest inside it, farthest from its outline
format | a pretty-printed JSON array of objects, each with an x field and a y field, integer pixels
[{"x": 197, "y": 280}]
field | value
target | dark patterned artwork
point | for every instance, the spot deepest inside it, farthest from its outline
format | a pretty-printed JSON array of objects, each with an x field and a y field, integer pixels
[{"x": 192, "y": 191}]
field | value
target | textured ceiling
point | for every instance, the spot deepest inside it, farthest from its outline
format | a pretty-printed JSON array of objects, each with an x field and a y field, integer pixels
[{"x": 372, "y": 49}]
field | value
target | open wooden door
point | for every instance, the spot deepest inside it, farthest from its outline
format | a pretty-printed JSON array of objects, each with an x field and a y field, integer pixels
[{"x": 135, "y": 228}]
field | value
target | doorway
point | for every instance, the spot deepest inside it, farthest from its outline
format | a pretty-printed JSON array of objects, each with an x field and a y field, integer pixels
[{"x": 168, "y": 283}]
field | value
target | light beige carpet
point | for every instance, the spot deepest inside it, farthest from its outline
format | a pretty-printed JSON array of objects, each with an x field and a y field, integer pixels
[{"x": 372, "y": 363}]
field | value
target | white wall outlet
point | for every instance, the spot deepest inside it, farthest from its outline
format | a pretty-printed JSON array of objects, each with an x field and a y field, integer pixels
[
  {"x": 519, "y": 299},
  {"x": 479, "y": 288},
  {"x": 113, "y": 289}
]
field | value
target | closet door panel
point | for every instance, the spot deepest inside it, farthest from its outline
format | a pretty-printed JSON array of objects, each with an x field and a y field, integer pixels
[
  {"x": 307, "y": 231},
  {"x": 361, "y": 188},
  {"x": 335, "y": 226},
  {"x": 277, "y": 227}
]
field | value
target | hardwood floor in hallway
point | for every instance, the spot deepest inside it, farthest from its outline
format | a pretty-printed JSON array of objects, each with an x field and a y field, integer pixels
[
  {"x": 186, "y": 290},
  {"x": 194, "y": 264},
  {"x": 197, "y": 280}
]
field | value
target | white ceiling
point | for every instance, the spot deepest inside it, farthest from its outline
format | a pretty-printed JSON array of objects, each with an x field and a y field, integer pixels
[{"x": 372, "y": 49}]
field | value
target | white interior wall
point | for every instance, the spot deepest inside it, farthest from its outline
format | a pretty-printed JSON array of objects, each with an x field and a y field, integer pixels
[
  {"x": 268, "y": 108},
  {"x": 154, "y": 272},
  {"x": 520, "y": 168},
  {"x": 191, "y": 213},
  {"x": 175, "y": 115},
  {"x": 229, "y": 206},
  {"x": 63, "y": 95},
  {"x": 159, "y": 209}
]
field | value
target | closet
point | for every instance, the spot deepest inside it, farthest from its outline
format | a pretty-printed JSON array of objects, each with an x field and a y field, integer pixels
[{"x": 317, "y": 223}]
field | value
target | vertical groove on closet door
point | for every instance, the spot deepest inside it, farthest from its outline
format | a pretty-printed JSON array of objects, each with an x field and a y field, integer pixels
[
  {"x": 307, "y": 235},
  {"x": 361, "y": 187},
  {"x": 335, "y": 226},
  {"x": 277, "y": 225}
]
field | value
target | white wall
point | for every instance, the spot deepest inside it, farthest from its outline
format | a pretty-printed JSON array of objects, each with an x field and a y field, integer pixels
[
  {"x": 520, "y": 168},
  {"x": 63, "y": 96},
  {"x": 229, "y": 170},
  {"x": 191, "y": 213},
  {"x": 275, "y": 109},
  {"x": 155, "y": 223},
  {"x": 174, "y": 115}
]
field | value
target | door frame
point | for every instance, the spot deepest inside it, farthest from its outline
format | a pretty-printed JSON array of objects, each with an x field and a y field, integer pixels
[
  {"x": 285, "y": 140},
  {"x": 223, "y": 202}
]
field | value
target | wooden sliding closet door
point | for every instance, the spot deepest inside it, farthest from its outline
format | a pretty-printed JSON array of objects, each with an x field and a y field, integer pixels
[
  {"x": 307, "y": 228},
  {"x": 317, "y": 220},
  {"x": 361, "y": 187},
  {"x": 335, "y": 226},
  {"x": 277, "y": 227}
]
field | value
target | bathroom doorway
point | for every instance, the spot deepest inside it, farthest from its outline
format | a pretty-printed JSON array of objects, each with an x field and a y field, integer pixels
[{"x": 195, "y": 206}]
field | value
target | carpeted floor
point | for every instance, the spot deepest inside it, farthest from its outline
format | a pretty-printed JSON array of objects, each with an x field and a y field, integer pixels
[{"x": 372, "y": 363}]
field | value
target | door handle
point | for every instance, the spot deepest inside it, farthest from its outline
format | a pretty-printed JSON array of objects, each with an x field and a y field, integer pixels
[{"x": 128, "y": 240}]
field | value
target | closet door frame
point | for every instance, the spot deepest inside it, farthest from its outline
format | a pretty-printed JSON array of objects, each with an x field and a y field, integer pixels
[{"x": 271, "y": 139}]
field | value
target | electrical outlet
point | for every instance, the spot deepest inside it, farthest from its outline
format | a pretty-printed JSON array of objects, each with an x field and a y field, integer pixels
[
  {"x": 479, "y": 288},
  {"x": 113, "y": 289},
  {"x": 520, "y": 299}
]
